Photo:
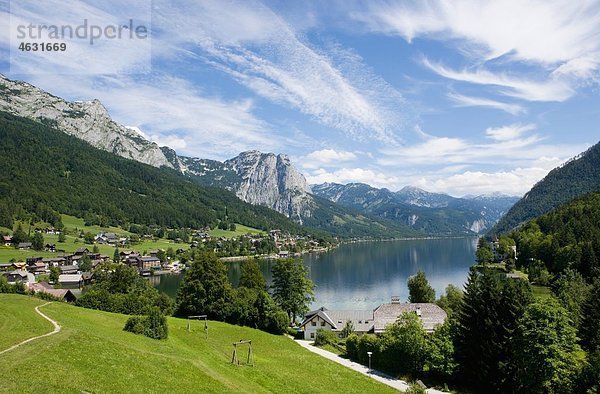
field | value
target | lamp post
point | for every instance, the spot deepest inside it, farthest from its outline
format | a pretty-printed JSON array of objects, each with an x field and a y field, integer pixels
[{"x": 369, "y": 353}]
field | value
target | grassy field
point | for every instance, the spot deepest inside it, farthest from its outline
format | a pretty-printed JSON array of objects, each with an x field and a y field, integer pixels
[
  {"x": 93, "y": 354},
  {"x": 27, "y": 325},
  {"x": 239, "y": 230},
  {"x": 73, "y": 242}
]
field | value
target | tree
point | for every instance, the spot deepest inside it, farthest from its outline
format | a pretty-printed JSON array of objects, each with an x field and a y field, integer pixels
[
  {"x": 590, "y": 323},
  {"x": 451, "y": 301},
  {"x": 484, "y": 252},
  {"x": 572, "y": 292},
  {"x": 205, "y": 288},
  {"x": 95, "y": 249},
  {"x": 252, "y": 277},
  {"x": 116, "y": 256},
  {"x": 403, "y": 345},
  {"x": 486, "y": 324},
  {"x": 54, "y": 274},
  {"x": 545, "y": 348},
  {"x": 88, "y": 238},
  {"x": 419, "y": 289},
  {"x": 439, "y": 356},
  {"x": 293, "y": 290},
  {"x": 19, "y": 235},
  {"x": 37, "y": 241},
  {"x": 347, "y": 330},
  {"x": 62, "y": 237},
  {"x": 85, "y": 264}
]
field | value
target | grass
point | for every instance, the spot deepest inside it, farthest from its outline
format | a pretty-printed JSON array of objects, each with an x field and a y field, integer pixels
[
  {"x": 541, "y": 292},
  {"x": 92, "y": 353},
  {"x": 73, "y": 242},
  {"x": 239, "y": 230},
  {"x": 27, "y": 325}
]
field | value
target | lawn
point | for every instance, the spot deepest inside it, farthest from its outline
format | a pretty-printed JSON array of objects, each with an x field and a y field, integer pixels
[
  {"x": 239, "y": 230},
  {"x": 541, "y": 292},
  {"x": 73, "y": 242},
  {"x": 93, "y": 354},
  {"x": 27, "y": 325}
]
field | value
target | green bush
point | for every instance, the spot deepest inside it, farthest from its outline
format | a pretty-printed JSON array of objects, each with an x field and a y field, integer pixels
[
  {"x": 326, "y": 337},
  {"x": 153, "y": 326},
  {"x": 352, "y": 346}
]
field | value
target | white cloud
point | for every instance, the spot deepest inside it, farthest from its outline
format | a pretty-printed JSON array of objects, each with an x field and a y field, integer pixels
[
  {"x": 267, "y": 56},
  {"x": 467, "y": 101},
  {"x": 329, "y": 157},
  {"x": 552, "y": 89},
  {"x": 352, "y": 175},
  {"x": 513, "y": 182},
  {"x": 556, "y": 41},
  {"x": 507, "y": 133}
]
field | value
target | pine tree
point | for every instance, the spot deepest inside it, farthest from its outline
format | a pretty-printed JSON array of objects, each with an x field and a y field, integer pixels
[
  {"x": 486, "y": 324},
  {"x": 419, "y": 289},
  {"x": 590, "y": 324}
]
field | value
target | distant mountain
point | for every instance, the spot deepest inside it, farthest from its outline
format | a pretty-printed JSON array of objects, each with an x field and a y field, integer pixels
[
  {"x": 87, "y": 120},
  {"x": 575, "y": 178},
  {"x": 433, "y": 213}
]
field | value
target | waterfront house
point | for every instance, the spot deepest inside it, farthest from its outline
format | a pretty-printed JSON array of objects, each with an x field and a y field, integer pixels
[
  {"x": 374, "y": 321},
  {"x": 431, "y": 315},
  {"x": 322, "y": 318}
]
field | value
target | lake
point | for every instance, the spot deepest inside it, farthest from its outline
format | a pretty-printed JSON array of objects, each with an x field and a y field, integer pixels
[{"x": 367, "y": 274}]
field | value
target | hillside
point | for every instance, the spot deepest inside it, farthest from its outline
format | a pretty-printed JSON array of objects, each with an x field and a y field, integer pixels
[
  {"x": 577, "y": 177},
  {"x": 567, "y": 237},
  {"x": 44, "y": 169},
  {"x": 93, "y": 354},
  {"x": 431, "y": 213}
]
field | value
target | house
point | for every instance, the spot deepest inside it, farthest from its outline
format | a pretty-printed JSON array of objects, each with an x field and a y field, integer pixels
[
  {"x": 323, "y": 318},
  {"x": 32, "y": 260},
  {"x": 69, "y": 269},
  {"x": 50, "y": 247},
  {"x": 62, "y": 294},
  {"x": 15, "y": 276},
  {"x": 7, "y": 240},
  {"x": 107, "y": 238},
  {"x": 82, "y": 251},
  {"x": 38, "y": 268},
  {"x": 374, "y": 321},
  {"x": 284, "y": 254},
  {"x": 149, "y": 262},
  {"x": 24, "y": 245},
  {"x": 71, "y": 281},
  {"x": 431, "y": 315}
]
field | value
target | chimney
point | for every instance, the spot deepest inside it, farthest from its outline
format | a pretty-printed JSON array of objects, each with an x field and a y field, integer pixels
[{"x": 395, "y": 299}]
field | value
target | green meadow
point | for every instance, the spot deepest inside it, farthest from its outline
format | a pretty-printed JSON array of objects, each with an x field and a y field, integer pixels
[{"x": 92, "y": 353}]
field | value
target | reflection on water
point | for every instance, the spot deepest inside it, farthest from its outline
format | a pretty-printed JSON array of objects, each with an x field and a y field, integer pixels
[{"x": 364, "y": 275}]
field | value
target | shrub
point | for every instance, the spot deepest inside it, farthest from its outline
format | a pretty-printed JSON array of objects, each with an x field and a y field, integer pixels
[
  {"x": 153, "y": 326},
  {"x": 326, "y": 337},
  {"x": 352, "y": 346}
]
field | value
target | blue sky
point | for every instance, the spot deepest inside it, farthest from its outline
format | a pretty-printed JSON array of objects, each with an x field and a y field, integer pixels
[{"x": 457, "y": 97}]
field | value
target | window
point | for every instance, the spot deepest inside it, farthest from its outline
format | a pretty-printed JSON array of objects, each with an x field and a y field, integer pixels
[
  {"x": 322, "y": 324},
  {"x": 312, "y": 335},
  {"x": 313, "y": 323}
]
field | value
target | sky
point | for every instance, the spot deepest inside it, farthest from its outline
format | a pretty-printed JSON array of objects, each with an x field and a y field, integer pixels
[{"x": 459, "y": 97}]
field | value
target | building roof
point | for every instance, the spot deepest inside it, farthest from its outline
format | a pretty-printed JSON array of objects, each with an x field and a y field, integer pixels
[
  {"x": 69, "y": 268},
  {"x": 361, "y": 320},
  {"x": 70, "y": 278},
  {"x": 431, "y": 314}
]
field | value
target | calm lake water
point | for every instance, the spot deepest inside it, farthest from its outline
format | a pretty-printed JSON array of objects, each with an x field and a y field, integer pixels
[{"x": 364, "y": 275}]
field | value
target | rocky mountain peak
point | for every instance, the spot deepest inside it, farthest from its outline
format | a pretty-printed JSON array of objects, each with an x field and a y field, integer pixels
[{"x": 87, "y": 120}]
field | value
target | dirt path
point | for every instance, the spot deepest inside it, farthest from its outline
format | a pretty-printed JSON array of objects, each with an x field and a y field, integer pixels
[{"x": 55, "y": 331}]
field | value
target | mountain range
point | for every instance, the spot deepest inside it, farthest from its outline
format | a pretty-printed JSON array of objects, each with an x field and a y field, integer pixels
[
  {"x": 431, "y": 213},
  {"x": 265, "y": 179}
]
